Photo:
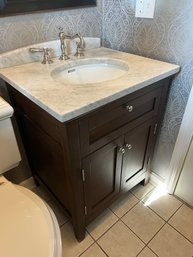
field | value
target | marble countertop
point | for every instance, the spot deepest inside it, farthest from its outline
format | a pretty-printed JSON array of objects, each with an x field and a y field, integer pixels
[{"x": 65, "y": 101}]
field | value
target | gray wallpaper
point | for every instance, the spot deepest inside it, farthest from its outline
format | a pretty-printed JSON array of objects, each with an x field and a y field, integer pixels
[
  {"x": 22, "y": 30},
  {"x": 167, "y": 37}
]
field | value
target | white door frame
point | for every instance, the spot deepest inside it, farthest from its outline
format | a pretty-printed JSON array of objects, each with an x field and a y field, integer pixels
[{"x": 181, "y": 146}]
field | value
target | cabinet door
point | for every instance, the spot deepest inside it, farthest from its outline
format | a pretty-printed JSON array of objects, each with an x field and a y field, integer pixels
[
  {"x": 137, "y": 152},
  {"x": 45, "y": 156},
  {"x": 102, "y": 176}
]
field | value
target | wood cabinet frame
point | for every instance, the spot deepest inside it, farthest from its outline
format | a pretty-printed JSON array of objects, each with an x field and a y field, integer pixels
[{"x": 59, "y": 163}]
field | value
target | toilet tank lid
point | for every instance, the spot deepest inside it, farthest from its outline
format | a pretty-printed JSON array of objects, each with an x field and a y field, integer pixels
[{"x": 6, "y": 111}]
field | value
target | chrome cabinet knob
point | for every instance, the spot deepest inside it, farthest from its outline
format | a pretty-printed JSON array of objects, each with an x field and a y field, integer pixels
[
  {"x": 128, "y": 146},
  {"x": 129, "y": 108},
  {"x": 122, "y": 150}
]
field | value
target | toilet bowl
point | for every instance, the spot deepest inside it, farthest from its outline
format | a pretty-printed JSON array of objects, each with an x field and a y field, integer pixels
[{"x": 28, "y": 226}]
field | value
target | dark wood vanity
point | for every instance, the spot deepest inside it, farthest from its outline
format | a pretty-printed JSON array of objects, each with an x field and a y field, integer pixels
[{"x": 87, "y": 162}]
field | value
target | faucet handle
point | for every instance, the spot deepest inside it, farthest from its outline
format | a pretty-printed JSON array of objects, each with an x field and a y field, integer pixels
[
  {"x": 46, "y": 51},
  {"x": 47, "y": 56}
]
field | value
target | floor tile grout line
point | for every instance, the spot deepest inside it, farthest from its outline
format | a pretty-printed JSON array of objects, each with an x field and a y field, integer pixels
[
  {"x": 141, "y": 198},
  {"x": 154, "y": 237},
  {"x": 160, "y": 215},
  {"x": 180, "y": 233},
  {"x": 102, "y": 249},
  {"x": 156, "y": 213},
  {"x": 142, "y": 239},
  {"x": 175, "y": 212},
  {"x": 133, "y": 232},
  {"x": 165, "y": 221},
  {"x": 120, "y": 219},
  {"x": 126, "y": 211},
  {"x": 146, "y": 246},
  {"x": 152, "y": 251},
  {"x": 156, "y": 233},
  {"x": 138, "y": 236},
  {"x": 90, "y": 235},
  {"x": 86, "y": 249},
  {"x": 95, "y": 241},
  {"x": 141, "y": 251},
  {"x": 103, "y": 232},
  {"x": 174, "y": 227}
]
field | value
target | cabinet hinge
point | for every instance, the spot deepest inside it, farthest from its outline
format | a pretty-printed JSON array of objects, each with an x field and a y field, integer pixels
[
  {"x": 83, "y": 175},
  {"x": 155, "y": 129},
  {"x": 85, "y": 210}
]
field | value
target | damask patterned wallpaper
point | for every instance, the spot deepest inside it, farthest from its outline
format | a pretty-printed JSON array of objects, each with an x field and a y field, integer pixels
[
  {"x": 167, "y": 37},
  {"x": 22, "y": 30}
]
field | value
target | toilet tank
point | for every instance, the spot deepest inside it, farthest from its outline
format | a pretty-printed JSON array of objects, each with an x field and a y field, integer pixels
[{"x": 9, "y": 152}]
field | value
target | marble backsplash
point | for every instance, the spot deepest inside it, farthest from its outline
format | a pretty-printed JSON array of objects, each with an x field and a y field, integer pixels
[{"x": 22, "y": 55}]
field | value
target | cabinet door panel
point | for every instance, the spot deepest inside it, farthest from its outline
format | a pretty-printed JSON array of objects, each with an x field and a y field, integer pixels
[
  {"x": 102, "y": 176},
  {"x": 46, "y": 158},
  {"x": 137, "y": 152}
]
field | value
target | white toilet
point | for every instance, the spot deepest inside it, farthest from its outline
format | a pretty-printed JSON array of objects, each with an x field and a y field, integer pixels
[{"x": 28, "y": 226}]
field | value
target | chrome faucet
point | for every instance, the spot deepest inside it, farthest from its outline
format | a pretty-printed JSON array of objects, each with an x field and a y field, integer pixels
[
  {"x": 46, "y": 52},
  {"x": 80, "y": 45},
  {"x": 64, "y": 53}
]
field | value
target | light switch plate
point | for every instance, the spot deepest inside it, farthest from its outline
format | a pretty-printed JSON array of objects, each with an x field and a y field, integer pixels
[{"x": 145, "y": 8}]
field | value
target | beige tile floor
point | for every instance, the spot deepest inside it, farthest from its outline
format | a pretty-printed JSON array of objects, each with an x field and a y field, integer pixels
[{"x": 128, "y": 228}]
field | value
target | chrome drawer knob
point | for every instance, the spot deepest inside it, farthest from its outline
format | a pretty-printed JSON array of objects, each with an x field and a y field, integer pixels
[
  {"x": 128, "y": 146},
  {"x": 129, "y": 108},
  {"x": 122, "y": 150}
]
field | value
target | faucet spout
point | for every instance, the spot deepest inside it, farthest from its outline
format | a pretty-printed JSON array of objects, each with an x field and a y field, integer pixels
[
  {"x": 80, "y": 45},
  {"x": 63, "y": 46}
]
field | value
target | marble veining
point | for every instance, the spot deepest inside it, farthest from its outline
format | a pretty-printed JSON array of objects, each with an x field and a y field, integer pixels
[{"x": 65, "y": 102}]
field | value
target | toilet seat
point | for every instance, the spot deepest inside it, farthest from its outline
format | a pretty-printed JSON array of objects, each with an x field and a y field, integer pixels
[{"x": 28, "y": 228}]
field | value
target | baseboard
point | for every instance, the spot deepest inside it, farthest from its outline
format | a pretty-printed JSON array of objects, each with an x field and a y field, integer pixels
[
  {"x": 28, "y": 183},
  {"x": 155, "y": 179}
]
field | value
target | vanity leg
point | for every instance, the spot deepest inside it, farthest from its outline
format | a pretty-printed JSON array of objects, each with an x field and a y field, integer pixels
[
  {"x": 80, "y": 233},
  {"x": 145, "y": 181}
]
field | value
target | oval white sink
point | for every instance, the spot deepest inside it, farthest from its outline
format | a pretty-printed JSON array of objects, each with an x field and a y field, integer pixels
[{"x": 90, "y": 71}]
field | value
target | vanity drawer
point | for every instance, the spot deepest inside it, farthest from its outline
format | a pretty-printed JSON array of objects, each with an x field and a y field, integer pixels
[{"x": 103, "y": 125}]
